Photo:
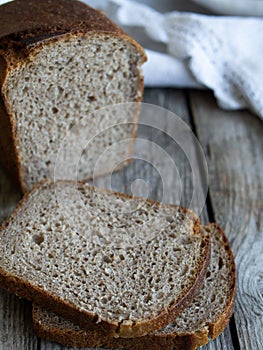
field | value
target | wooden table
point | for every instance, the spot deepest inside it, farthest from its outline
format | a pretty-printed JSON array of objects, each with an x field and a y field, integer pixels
[{"x": 233, "y": 146}]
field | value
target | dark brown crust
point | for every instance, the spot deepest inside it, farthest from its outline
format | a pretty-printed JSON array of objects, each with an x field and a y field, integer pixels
[
  {"x": 7, "y": 148},
  {"x": 157, "y": 341},
  {"x": 38, "y": 23},
  {"x": 39, "y": 20},
  {"x": 218, "y": 327},
  {"x": 25, "y": 289}
]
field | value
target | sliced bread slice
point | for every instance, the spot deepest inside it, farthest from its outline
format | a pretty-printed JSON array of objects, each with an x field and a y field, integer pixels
[
  {"x": 60, "y": 61},
  {"x": 104, "y": 260},
  {"x": 205, "y": 318}
]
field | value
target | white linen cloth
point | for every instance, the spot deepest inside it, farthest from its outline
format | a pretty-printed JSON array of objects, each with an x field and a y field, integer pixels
[{"x": 224, "y": 54}]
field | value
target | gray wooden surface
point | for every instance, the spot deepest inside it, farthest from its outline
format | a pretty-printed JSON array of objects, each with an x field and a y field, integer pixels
[{"x": 233, "y": 145}]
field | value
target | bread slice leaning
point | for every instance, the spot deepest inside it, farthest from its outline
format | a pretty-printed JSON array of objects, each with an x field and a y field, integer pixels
[
  {"x": 205, "y": 318},
  {"x": 104, "y": 260},
  {"x": 60, "y": 62}
]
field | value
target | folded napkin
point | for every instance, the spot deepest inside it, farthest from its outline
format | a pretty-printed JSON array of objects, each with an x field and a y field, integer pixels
[{"x": 193, "y": 50}]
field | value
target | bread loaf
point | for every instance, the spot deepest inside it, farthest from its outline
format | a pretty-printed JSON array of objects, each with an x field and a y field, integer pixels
[
  {"x": 204, "y": 319},
  {"x": 60, "y": 61},
  {"x": 104, "y": 260}
]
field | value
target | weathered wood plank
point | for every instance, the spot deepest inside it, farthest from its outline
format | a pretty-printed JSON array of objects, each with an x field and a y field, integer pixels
[
  {"x": 234, "y": 147},
  {"x": 16, "y": 331}
]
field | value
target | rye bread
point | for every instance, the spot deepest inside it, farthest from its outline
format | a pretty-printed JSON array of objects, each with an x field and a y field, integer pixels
[
  {"x": 104, "y": 260},
  {"x": 215, "y": 303},
  {"x": 61, "y": 61}
]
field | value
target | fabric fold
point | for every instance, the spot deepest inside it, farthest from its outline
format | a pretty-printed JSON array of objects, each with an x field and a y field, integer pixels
[{"x": 221, "y": 53}]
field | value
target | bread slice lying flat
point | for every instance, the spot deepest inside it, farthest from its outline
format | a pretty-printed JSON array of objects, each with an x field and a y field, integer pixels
[
  {"x": 104, "y": 260},
  {"x": 60, "y": 61},
  {"x": 205, "y": 318}
]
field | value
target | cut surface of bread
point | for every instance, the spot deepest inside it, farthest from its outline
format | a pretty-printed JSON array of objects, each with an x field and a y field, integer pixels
[
  {"x": 60, "y": 61},
  {"x": 205, "y": 318},
  {"x": 104, "y": 260}
]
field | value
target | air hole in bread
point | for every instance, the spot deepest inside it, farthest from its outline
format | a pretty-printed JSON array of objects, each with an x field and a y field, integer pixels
[
  {"x": 108, "y": 259},
  {"x": 38, "y": 239},
  {"x": 220, "y": 263},
  {"x": 55, "y": 110}
]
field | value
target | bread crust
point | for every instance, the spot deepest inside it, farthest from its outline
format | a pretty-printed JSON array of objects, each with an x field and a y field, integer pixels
[
  {"x": 91, "y": 339},
  {"x": 154, "y": 341},
  {"x": 25, "y": 289},
  {"x": 22, "y": 38},
  {"x": 8, "y": 154},
  {"x": 218, "y": 327}
]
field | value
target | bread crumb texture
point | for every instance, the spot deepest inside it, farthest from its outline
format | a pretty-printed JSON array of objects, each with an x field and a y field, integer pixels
[
  {"x": 84, "y": 262},
  {"x": 61, "y": 84}
]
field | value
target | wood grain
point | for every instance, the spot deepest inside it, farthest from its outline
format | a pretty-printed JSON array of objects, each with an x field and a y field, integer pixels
[
  {"x": 16, "y": 329},
  {"x": 234, "y": 147}
]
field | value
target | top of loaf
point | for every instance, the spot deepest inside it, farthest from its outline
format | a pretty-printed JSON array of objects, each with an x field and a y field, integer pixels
[{"x": 39, "y": 20}]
